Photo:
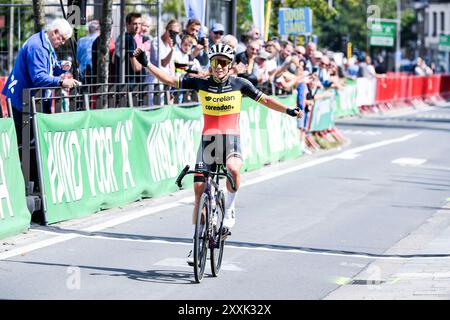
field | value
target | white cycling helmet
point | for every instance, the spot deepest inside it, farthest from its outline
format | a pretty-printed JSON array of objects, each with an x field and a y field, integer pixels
[{"x": 221, "y": 49}]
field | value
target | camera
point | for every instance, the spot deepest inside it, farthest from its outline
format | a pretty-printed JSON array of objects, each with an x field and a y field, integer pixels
[{"x": 202, "y": 41}]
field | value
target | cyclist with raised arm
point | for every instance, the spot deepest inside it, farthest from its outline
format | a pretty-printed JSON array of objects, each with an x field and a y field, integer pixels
[{"x": 220, "y": 96}]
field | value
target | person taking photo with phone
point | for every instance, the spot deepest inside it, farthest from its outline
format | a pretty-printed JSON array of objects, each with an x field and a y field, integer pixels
[{"x": 165, "y": 60}]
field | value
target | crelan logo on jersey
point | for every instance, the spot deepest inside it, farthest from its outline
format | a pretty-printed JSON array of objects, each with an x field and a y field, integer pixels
[
  {"x": 220, "y": 99},
  {"x": 218, "y": 104}
]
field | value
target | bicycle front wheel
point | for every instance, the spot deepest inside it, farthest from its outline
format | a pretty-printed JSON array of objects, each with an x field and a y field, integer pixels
[
  {"x": 201, "y": 238},
  {"x": 219, "y": 242}
]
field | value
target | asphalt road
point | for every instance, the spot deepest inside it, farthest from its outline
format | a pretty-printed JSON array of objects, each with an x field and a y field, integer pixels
[{"x": 302, "y": 226}]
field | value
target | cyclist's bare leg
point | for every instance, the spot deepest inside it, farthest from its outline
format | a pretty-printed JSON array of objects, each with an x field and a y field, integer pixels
[{"x": 234, "y": 165}]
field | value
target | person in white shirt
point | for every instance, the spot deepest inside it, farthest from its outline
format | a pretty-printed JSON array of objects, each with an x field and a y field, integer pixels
[{"x": 166, "y": 45}]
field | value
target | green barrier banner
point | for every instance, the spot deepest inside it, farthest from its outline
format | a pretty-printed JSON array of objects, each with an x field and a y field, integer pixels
[
  {"x": 14, "y": 214},
  {"x": 171, "y": 137},
  {"x": 267, "y": 136},
  {"x": 322, "y": 115},
  {"x": 100, "y": 159},
  {"x": 346, "y": 100}
]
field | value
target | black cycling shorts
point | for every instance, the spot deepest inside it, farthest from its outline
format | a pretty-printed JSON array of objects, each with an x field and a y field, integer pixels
[{"x": 214, "y": 150}]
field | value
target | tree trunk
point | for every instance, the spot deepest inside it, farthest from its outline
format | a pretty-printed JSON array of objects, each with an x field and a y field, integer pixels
[
  {"x": 39, "y": 15},
  {"x": 103, "y": 49},
  {"x": 105, "y": 35}
]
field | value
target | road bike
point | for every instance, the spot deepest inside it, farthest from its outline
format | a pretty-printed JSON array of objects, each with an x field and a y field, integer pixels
[{"x": 209, "y": 230}]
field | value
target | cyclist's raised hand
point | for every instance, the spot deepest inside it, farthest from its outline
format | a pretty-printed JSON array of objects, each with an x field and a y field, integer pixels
[
  {"x": 296, "y": 112},
  {"x": 141, "y": 57}
]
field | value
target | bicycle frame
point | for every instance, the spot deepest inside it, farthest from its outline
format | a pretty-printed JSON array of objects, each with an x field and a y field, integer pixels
[{"x": 213, "y": 236}]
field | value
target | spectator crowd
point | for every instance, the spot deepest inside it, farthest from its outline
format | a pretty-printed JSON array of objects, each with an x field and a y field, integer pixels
[{"x": 274, "y": 66}]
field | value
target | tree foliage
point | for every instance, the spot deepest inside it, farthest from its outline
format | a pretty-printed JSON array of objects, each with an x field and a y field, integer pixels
[
  {"x": 244, "y": 14},
  {"x": 335, "y": 26}
]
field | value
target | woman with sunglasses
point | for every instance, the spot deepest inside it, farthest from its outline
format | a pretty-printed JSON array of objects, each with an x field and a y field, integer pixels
[{"x": 220, "y": 96}]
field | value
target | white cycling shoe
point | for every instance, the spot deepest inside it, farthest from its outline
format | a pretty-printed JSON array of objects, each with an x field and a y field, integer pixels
[
  {"x": 190, "y": 258},
  {"x": 229, "y": 219}
]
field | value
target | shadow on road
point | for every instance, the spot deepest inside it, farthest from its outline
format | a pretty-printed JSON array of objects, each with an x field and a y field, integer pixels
[{"x": 155, "y": 276}]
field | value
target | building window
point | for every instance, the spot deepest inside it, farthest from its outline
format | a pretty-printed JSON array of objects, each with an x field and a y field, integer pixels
[
  {"x": 434, "y": 24},
  {"x": 426, "y": 24},
  {"x": 442, "y": 22}
]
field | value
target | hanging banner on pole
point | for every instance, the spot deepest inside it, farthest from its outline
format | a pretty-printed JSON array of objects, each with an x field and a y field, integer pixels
[
  {"x": 258, "y": 15},
  {"x": 294, "y": 21},
  {"x": 195, "y": 9},
  {"x": 267, "y": 22}
]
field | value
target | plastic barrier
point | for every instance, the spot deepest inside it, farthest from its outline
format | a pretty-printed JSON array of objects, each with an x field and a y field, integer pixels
[
  {"x": 99, "y": 159},
  {"x": 346, "y": 100},
  {"x": 400, "y": 89},
  {"x": 14, "y": 214},
  {"x": 365, "y": 91},
  {"x": 2, "y": 97},
  {"x": 322, "y": 114}
]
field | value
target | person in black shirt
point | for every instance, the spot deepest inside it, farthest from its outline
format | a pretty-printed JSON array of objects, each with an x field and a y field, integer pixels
[
  {"x": 132, "y": 67},
  {"x": 248, "y": 58}
]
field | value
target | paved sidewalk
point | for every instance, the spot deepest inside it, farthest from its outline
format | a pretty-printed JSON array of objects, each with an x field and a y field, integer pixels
[{"x": 424, "y": 276}]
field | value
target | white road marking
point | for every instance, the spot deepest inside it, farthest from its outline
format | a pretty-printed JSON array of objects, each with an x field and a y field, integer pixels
[
  {"x": 152, "y": 210},
  {"x": 361, "y": 132},
  {"x": 352, "y": 264},
  {"x": 422, "y": 275},
  {"x": 414, "y": 162},
  {"x": 349, "y": 156}
]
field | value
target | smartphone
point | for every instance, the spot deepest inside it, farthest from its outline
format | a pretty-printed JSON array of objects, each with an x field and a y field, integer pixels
[{"x": 173, "y": 36}]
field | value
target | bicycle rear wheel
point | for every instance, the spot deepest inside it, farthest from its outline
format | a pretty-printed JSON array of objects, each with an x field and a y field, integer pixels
[
  {"x": 201, "y": 238},
  {"x": 217, "y": 245}
]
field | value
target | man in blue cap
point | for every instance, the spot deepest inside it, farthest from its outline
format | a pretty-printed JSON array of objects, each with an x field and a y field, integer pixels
[
  {"x": 216, "y": 33},
  {"x": 215, "y": 37}
]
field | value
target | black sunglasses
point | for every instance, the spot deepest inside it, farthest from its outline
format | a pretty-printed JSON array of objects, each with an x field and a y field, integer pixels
[{"x": 218, "y": 32}]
